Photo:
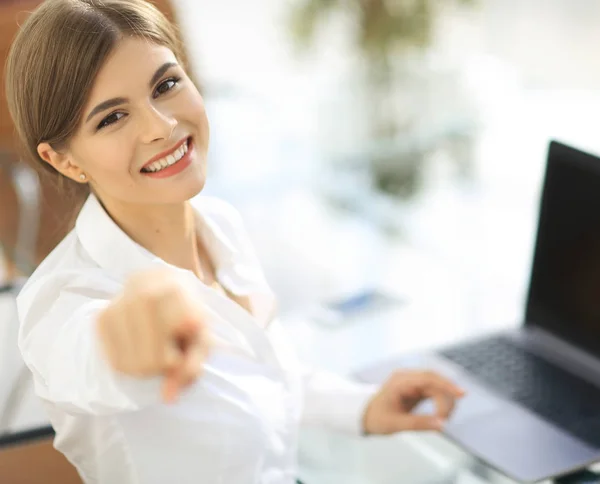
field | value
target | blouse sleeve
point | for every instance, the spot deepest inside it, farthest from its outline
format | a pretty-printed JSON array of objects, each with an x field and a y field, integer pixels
[{"x": 59, "y": 344}]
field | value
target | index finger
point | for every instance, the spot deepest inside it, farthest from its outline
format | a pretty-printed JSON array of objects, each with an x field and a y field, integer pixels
[
  {"x": 181, "y": 316},
  {"x": 192, "y": 351},
  {"x": 444, "y": 404},
  {"x": 435, "y": 383}
]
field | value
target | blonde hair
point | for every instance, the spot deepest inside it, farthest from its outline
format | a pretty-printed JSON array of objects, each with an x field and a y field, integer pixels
[{"x": 55, "y": 59}]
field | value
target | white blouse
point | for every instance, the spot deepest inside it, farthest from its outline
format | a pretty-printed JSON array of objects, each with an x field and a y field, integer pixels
[{"x": 237, "y": 424}]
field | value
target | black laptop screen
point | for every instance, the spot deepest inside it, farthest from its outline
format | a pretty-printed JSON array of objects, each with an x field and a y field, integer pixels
[{"x": 564, "y": 293}]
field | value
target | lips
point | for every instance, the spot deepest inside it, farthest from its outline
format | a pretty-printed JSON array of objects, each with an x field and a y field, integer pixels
[
  {"x": 167, "y": 157},
  {"x": 175, "y": 163}
]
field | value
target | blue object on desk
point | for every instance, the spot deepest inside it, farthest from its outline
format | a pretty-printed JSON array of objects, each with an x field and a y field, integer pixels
[
  {"x": 365, "y": 300},
  {"x": 355, "y": 307}
]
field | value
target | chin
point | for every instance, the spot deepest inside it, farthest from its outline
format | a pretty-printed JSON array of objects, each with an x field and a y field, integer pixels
[
  {"x": 191, "y": 187},
  {"x": 194, "y": 191}
]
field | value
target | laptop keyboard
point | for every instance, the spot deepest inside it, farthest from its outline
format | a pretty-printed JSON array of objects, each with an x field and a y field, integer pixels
[{"x": 547, "y": 390}]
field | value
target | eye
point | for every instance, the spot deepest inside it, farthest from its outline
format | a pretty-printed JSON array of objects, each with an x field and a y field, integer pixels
[
  {"x": 166, "y": 86},
  {"x": 110, "y": 119}
]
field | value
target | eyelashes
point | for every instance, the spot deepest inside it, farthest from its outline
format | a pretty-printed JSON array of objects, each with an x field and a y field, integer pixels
[{"x": 163, "y": 88}]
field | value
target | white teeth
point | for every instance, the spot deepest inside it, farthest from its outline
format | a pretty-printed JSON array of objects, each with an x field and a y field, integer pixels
[{"x": 168, "y": 160}]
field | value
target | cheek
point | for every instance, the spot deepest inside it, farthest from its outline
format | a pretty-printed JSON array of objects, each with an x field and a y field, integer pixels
[
  {"x": 194, "y": 110},
  {"x": 112, "y": 154}
]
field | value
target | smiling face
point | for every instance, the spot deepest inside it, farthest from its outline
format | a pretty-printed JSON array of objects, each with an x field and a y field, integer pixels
[{"x": 143, "y": 137}]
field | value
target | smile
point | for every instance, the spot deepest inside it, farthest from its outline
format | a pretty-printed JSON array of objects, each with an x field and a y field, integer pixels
[
  {"x": 171, "y": 164},
  {"x": 168, "y": 160}
]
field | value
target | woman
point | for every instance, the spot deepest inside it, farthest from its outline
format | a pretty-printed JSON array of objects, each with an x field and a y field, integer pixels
[{"x": 149, "y": 330}]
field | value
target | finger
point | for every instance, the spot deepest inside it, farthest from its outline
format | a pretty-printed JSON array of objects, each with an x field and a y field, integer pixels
[
  {"x": 411, "y": 422},
  {"x": 123, "y": 341},
  {"x": 194, "y": 340},
  {"x": 431, "y": 381},
  {"x": 147, "y": 338},
  {"x": 179, "y": 364},
  {"x": 171, "y": 354},
  {"x": 140, "y": 337},
  {"x": 187, "y": 332},
  {"x": 173, "y": 379},
  {"x": 192, "y": 367},
  {"x": 168, "y": 314},
  {"x": 444, "y": 404},
  {"x": 183, "y": 374},
  {"x": 189, "y": 326},
  {"x": 183, "y": 316},
  {"x": 170, "y": 386}
]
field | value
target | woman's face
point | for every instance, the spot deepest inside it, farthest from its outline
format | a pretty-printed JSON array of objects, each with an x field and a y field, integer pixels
[{"x": 144, "y": 134}]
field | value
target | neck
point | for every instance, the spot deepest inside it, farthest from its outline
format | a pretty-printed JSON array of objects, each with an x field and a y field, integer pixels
[{"x": 168, "y": 230}]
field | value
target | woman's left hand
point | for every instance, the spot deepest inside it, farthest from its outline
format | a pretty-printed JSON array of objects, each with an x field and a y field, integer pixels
[{"x": 390, "y": 410}]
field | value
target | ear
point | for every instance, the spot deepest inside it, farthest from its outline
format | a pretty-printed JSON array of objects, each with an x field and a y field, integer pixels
[{"x": 61, "y": 162}]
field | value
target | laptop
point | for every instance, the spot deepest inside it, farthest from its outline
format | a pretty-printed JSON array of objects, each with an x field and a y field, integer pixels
[{"x": 532, "y": 409}]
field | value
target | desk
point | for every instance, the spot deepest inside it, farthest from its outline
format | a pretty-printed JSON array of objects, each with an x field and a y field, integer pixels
[
  {"x": 410, "y": 458},
  {"x": 413, "y": 458},
  {"x": 324, "y": 458}
]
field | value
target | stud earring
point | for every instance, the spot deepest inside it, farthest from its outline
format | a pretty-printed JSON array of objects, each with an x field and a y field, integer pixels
[{"x": 82, "y": 177}]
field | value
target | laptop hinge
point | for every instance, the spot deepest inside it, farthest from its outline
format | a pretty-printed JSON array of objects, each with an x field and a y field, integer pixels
[{"x": 562, "y": 353}]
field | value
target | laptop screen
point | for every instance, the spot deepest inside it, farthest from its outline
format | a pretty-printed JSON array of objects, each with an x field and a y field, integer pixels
[{"x": 564, "y": 293}]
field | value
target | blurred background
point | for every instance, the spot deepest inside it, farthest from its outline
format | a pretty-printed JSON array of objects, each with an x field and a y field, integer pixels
[
  {"x": 397, "y": 144},
  {"x": 389, "y": 145}
]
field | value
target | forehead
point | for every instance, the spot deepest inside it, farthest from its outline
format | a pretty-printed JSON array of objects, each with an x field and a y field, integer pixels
[{"x": 128, "y": 68}]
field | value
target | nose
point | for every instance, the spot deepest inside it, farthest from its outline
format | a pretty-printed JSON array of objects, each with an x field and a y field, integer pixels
[{"x": 157, "y": 125}]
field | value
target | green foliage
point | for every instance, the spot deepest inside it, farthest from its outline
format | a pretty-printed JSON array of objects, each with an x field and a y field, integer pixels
[{"x": 381, "y": 25}]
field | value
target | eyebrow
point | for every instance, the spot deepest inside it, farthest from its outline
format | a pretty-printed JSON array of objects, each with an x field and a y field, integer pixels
[{"x": 103, "y": 106}]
